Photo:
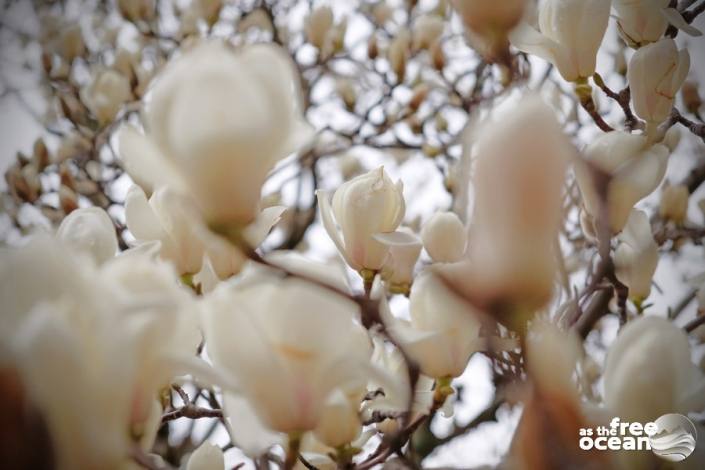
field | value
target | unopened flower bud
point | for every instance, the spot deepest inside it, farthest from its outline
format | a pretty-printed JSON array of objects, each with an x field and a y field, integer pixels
[
  {"x": 656, "y": 73},
  {"x": 444, "y": 237},
  {"x": 691, "y": 97},
  {"x": 674, "y": 203},
  {"x": 90, "y": 230},
  {"x": 318, "y": 23},
  {"x": 68, "y": 200},
  {"x": 426, "y": 31},
  {"x": 398, "y": 53}
]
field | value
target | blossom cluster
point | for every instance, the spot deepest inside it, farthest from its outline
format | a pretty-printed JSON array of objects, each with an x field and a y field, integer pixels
[{"x": 113, "y": 326}]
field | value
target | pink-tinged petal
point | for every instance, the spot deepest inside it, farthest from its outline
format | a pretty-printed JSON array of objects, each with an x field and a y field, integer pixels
[{"x": 246, "y": 429}]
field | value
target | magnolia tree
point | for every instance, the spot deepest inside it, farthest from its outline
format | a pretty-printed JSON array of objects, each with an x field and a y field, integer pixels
[{"x": 275, "y": 233}]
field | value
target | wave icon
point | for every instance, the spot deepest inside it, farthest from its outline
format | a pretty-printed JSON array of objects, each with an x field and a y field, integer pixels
[{"x": 675, "y": 439}]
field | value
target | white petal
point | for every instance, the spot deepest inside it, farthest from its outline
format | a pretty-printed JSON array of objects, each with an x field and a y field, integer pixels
[
  {"x": 246, "y": 429},
  {"x": 257, "y": 231},
  {"x": 329, "y": 224},
  {"x": 144, "y": 161},
  {"x": 676, "y": 19}
]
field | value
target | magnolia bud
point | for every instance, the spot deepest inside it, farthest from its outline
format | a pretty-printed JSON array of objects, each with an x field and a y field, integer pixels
[
  {"x": 381, "y": 13},
  {"x": 372, "y": 47},
  {"x": 636, "y": 256},
  {"x": 648, "y": 353},
  {"x": 489, "y": 22},
  {"x": 398, "y": 53},
  {"x": 444, "y": 237},
  {"x": 340, "y": 421},
  {"x": 518, "y": 210},
  {"x": 90, "y": 230},
  {"x": 347, "y": 92},
  {"x": 137, "y": 10},
  {"x": 443, "y": 332},
  {"x": 645, "y": 21},
  {"x": 571, "y": 32},
  {"x": 641, "y": 22},
  {"x": 72, "y": 44},
  {"x": 40, "y": 154},
  {"x": 404, "y": 250},
  {"x": 419, "y": 94},
  {"x": 426, "y": 31},
  {"x": 318, "y": 24},
  {"x": 209, "y": 10},
  {"x": 691, "y": 97},
  {"x": 674, "y": 203},
  {"x": 438, "y": 57},
  {"x": 656, "y": 73},
  {"x": 68, "y": 200},
  {"x": 106, "y": 95},
  {"x": 364, "y": 206},
  {"x": 634, "y": 167}
]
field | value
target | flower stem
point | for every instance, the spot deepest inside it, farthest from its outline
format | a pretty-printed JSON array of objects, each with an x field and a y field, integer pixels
[{"x": 292, "y": 453}]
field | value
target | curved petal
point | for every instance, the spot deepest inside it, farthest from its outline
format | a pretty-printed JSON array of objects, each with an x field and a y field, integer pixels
[
  {"x": 257, "y": 231},
  {"x": 529, "y": 40},
  {"x": 140, "y": 218},
  {"x": 329, "y": 224},
  {"x": 246, "y": 429},
  {"x": 676, "y": 19},
  {"x": 144, "y": 162}
]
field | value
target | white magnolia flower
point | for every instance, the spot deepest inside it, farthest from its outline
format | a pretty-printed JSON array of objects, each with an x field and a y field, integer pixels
[
  {"x": 167, "y": 218},
  {"x": 218, "y": 142},
  {"x": 340, "y": 419},
  {"x": 168, "y": 222},
  {"x": 106, "y": 94},
  {"x": 571, "y": 32},
  {"x": 481, "y": 15},
  {"x": 674, "y": 203},
  {"x": 444, "y": 237},
  {"x": 283, "y": 364},
  {"x": 363, "y": 207},
  {"x": 489, "y": 22},
  {"x": 90, "y": 230},
  {"x": 636, "y": 256},
  {"x": 43, "y": 271},
  {"x": 389, "y": 359},
  {"x": 517, "y": 214},
  {"x": 636, "y": 169},
  {"x": 206, "y": 457},
  {"x": 644, "y": 21},
  {"x": 94, "y": 347},
  {"x": 443, "y": 332},
  {"x": 656, "y": 73},
  {"x": 651, "y": 354},
  {"x": 404, "y": 251}
]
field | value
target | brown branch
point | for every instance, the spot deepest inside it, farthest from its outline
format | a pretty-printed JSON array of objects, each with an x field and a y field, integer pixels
[
  {"x": 191, "y": 411},
  {"x": 693, "y": 324},
  {"x": 695, "y": 128}
]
